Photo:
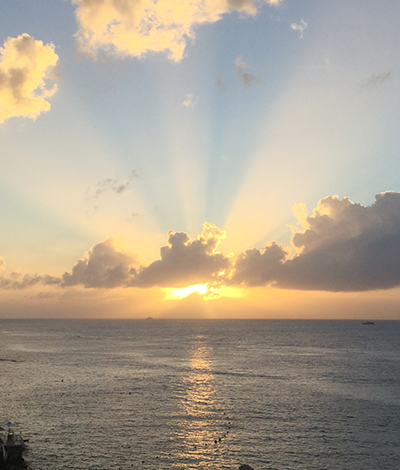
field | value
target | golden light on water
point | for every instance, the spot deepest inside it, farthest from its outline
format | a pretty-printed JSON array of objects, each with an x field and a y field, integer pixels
[{"x": 198, "y": 400}]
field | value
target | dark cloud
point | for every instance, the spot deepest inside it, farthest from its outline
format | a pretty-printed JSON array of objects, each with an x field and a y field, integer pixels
[
  {"x": 110, "y": 184},
  {"x": 343, "y": 247},
  {"x": 220, "y": 84},
  {"x": 259, "y": 267},
  {"x": 107, "y": 185},
  {"x": 115, "y": 185},
  {"x": 44, "y": 295},
  {"x": 246, "y": 78},
  {"x": 375, "y": 80},
  {"x": 186, "y": 261},
  {"x": 103, "y": 266},
  {"x": 133, "y": 216},
  {"x": 348, "y": 247},
  {"x": 246, "y": 6},
  {"x": 18, "y": 281}
]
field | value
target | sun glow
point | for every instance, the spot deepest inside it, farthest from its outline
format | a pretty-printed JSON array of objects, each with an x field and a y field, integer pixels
[
  {"x": 185, "y": 291},
  {"x": 209, "y": 292}
]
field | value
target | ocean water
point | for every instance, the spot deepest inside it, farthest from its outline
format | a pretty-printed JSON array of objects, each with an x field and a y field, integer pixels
[{"x": 209, "y": 394}]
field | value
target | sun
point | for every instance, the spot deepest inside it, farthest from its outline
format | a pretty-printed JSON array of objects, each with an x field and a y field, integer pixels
[
  {"x": 208, "y": 291},
  {"x": 185, "y": 291}
]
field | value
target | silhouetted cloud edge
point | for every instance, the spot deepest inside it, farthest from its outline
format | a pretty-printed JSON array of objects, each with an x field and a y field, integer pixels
[{"x": 342, "y": 246}]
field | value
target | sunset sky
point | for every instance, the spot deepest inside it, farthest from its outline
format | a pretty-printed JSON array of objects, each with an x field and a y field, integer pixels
[{"x": 200, "y": 158}]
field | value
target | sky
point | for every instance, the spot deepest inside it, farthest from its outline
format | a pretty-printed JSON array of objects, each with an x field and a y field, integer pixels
[{"x": 199, "y": 158}]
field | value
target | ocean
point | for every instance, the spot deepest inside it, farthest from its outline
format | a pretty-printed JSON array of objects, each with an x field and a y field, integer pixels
[{"x": 203, "y": 394}]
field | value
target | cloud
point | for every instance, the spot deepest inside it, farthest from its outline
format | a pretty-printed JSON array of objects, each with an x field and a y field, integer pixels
[
  {"x": 185, "y": 261},
  {"x": 136, "y": 27},
  {"x": 301, "y": 27},
  {"x": 110, "y": 184},
  {"x": 17, "y": 281},
  {"x": 259, "y": 267},
  {"x": 3, "y": 263},
  {"x": 246, "y": 78},
  {"x": 342, "y": 246},
  {"x": 26, "y": 68},
  {"x": 375, "y": 80},
  {"x": 107, "y": 185},
  {"x": 220, "y": 84},
  {"x": 188, "y": 101},
  {"x": 103, "y": 266},
  {"x": 134, "y": 216},
  {"x": 44, "y": 295},
  {"x": 114, "y": 185}
]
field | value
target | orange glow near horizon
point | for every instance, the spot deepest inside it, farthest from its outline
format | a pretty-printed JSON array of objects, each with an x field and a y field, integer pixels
[{"x": 185, "y": 291}]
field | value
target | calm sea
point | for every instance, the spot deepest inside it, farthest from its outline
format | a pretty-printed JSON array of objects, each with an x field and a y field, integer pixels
[{"x": 160, "y": 394}]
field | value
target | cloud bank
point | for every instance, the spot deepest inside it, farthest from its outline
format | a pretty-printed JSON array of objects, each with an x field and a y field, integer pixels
[
  {"x": 136, "y": 27},
  {"x": 347, "y": 247},
  {"x": 341, "y": 246},
  {"x": 26, "y": 69},
  {"x": 17, "y": 281},
  {"x": 183, "y": 261}
]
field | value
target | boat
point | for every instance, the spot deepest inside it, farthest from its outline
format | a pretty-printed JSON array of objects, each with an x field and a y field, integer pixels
[
  {"x": 12, "y": 446},
  {"x": 368, "y": 323}
]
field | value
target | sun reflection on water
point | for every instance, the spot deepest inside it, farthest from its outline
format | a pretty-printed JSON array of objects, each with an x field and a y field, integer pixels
[{"x": 198, "y": 430}]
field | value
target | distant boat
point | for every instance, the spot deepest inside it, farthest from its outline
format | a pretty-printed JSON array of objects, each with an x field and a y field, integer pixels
[{"x": 368, "y": 323}]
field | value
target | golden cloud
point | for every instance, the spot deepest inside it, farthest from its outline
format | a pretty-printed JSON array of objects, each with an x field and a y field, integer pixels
[
  {"x": 25, "y": 67},
  {"x": 135, "y": 27}
]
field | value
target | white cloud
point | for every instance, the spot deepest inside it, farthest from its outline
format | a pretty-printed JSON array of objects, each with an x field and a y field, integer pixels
[
  {"x": 301, "y": 27},
  {"x": 26, "y": 68},
  {"x": 188, "y": 101},
  {"x": 136, "y": 27}
]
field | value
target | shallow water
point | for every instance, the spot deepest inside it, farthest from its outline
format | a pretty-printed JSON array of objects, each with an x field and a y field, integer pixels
[{"x": 209, "y": 394}]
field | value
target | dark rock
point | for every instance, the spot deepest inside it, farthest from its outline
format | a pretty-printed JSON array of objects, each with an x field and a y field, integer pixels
[{"x": 245, "y": 467}]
